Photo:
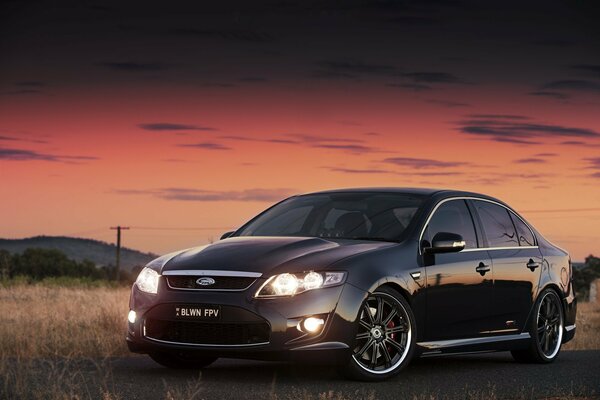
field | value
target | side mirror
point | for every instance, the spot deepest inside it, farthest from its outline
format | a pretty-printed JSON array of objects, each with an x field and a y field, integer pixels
[
  {"x": 445, "y": 242},
  {"x": 226, "y": 235}
]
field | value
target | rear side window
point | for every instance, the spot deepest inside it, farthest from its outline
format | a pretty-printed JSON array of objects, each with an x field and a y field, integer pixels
[
  {"x": 498, "y": 226},
  {"x": 524, "y": 233},
  {"x": 453, "y": 217}
]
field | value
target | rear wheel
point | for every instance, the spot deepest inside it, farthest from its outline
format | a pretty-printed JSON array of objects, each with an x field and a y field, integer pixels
[
  {"x": 546, "y": 330},
  {"x": 385, "y": 337},
  {"x": 181, "y": 360}
]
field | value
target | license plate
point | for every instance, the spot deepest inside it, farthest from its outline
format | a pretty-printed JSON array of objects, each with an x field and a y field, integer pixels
[{"x": 212, "y": 313}]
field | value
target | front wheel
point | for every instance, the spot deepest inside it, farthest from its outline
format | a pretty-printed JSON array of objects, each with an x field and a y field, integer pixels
[
  {"x": 546, "y": 330},
  {"x": 181, "y": 360},
  {"x": 385, "y": 338}
]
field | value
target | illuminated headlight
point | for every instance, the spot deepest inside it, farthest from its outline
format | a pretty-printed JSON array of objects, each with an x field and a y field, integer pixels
[
  {"x": 147, "y": 280},
  {"x": 292, "y": 284}
]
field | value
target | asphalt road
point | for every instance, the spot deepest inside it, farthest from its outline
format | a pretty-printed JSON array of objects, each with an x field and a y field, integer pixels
[{"x": 575, "y": 373}]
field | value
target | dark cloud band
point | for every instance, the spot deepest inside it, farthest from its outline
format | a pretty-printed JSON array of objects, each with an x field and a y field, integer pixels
[{"x": 201, "y": 195}]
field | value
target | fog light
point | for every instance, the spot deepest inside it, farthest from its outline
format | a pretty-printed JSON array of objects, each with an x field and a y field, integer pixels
[
  {"x": 312, "y": 324},
  {"x": 131, "y": 316}
]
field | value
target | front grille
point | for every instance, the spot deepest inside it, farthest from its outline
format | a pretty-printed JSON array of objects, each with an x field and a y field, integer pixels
[
  {"x": 221, "y": 282},
  {"x": 194, "y": 332}
]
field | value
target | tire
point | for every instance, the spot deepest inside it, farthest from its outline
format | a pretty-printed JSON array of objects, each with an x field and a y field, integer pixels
[
  {"x": 546, "y": 330},
  {"x": 385, "y": 339},
  {"x": 181, "y": 361}
]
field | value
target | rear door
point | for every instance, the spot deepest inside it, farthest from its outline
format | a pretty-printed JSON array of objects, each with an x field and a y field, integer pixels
[
  {"x": 516, "y": 261},
  {"x": 458, "y": 297}
]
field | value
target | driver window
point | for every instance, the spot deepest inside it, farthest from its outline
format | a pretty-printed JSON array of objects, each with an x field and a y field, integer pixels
[{"x": 453, "y": 216}]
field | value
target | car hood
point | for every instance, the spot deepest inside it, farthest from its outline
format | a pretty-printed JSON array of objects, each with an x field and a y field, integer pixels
[{"x": 270, "y": 254}]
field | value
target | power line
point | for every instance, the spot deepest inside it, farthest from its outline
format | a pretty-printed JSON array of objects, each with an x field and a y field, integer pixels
[
  {"x": 562, "y": 210},
  {"x": 173, "y": 228},
  {"x": 587, "y": 218}
]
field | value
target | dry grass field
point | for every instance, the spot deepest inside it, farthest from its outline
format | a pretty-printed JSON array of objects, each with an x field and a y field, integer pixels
[
  {"x": 588, "y": 328},
  {"x": 46, "y": 321},
  {"x": 59, "y": 326},
  {"x": 48, "y": 328}
]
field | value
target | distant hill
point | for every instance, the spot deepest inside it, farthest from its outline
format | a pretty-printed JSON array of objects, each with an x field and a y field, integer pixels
[{"x": 100, "y": 253}]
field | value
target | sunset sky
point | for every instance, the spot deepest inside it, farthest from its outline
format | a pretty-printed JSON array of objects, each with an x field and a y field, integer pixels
[{"x": 183, "y": 121}]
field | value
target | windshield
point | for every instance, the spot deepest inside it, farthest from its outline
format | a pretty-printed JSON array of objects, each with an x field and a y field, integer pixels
[{"x": 364, "y": 216}]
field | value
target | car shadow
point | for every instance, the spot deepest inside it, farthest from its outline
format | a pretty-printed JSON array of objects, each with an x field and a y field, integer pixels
[{"x": 239, "y": 371}]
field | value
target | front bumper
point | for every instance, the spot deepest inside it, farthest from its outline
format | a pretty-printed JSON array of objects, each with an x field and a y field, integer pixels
[{"x": 337, "y": 305}]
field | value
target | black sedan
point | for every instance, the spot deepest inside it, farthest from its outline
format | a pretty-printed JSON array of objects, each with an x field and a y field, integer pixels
[{"x": 365, "y": 279}]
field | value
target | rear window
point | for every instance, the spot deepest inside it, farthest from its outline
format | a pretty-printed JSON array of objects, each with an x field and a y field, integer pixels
[{"x": 525, "y": 235}]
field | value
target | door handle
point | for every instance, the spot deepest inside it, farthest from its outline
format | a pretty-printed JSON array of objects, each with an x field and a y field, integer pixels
[
  {"x": 532, "y": 265},
  {"x": 482, "y": 268}
]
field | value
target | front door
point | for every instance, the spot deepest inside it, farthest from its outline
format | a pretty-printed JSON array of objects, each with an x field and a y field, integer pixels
[{"x": 459, "y": 285}]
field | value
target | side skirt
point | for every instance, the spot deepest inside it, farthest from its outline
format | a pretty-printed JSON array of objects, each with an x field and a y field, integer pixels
[{"x": 470, "y": 345}]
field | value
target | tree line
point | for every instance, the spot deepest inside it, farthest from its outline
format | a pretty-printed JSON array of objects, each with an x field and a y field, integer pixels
[
  {"x": 583, "y": 277},
  {"x": 37, "y": 264}
]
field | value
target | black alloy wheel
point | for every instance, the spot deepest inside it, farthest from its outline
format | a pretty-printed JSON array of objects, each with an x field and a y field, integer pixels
[{"x": 385, "y": 336}]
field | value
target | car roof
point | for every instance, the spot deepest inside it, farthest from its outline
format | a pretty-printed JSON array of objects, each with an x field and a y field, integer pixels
[
  {"x": 432, "y": 195},
  {"x": 404, "y": 190},
  {"x": 438, "y": 194},
  {"x": 420, "y": 191}
]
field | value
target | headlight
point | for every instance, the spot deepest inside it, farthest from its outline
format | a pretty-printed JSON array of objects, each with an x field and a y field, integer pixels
[
  {"x": 292, "y": 284},
  {"x": 147, "y": 280}
]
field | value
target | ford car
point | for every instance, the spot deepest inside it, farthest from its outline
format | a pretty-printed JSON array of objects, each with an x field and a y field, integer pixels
[{"x": 362, "y": 279}]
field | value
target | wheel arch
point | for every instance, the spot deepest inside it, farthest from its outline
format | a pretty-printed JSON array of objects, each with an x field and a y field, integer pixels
[
  {"x": 561, "y": 295},
  {"x": 400, "y": 283},
  {"x": 397, "y": 287},
  {"x": 554, "y": 287}
]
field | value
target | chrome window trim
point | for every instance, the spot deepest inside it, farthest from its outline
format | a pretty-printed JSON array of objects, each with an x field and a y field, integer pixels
[
  {"x": 215, "y": 272},
  {"x": 500, "y": 248},
  {"x": 442, "y": 344},
  {"x": 478, "y": 248}
]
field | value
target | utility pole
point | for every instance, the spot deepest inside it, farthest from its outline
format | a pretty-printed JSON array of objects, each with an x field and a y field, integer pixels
[{"x": 118, "y": 228}]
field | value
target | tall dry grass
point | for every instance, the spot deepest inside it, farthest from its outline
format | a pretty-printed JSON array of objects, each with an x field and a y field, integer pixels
[
  {"x": 587, "y": 336},
  {"x": 38, "y": 321}
]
